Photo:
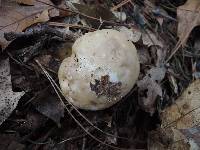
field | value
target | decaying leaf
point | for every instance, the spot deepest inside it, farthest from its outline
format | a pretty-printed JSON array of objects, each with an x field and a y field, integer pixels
[
  {"x": 144, "y": 56},
  {"x": 150, "y": 88},
  {"x": 15, "y": 17},
  {"x": 188, "y": 17},
  {"x": 8, "y": 98},
  {"x": 158, "y": 140},
  {"x": 50, "y": 106},
  {"x": 133, "y": 34},
  {"x": 161, "y": 55},
  {"x": 149, "y": 39},
  {"x": 179, "y": 119}
]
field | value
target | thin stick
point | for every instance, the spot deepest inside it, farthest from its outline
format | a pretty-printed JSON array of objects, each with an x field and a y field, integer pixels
[
  {"x": 72, "y": 138},
  {"x": 120, "y": 5},
  {"x": 58, "y": 24}
]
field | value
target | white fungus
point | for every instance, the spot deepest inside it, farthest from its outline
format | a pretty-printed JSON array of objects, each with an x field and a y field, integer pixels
[{"x": 102, "y": 69}]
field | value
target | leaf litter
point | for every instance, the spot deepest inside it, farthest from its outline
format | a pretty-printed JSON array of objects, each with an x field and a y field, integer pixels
[
  {"x": 9, "y": 98},
  {"x": 151, "y": 116}
]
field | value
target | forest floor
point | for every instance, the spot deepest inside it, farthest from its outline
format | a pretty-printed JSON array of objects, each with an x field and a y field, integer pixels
[{"x": 160, "y": 112}]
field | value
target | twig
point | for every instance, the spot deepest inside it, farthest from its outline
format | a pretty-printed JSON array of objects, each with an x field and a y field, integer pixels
[
  {"x": 18, "y": 62},
  {"x": 120, "y": 5},
  {"x": 58, "y": 24},
  {"x": 38, "y": 31},
  {"x": 83, "y": 145},
  {"x": 72, "y": 138}
]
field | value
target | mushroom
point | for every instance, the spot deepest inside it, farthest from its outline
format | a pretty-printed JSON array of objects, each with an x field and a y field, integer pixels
[{"x": 102, "y": 69}]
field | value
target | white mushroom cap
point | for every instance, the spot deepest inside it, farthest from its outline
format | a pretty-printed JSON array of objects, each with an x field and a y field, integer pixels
[{"x": 103, "y": 68}]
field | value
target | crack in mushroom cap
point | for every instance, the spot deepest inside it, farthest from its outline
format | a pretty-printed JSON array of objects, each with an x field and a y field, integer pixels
[{"x": 96, "y": 55}]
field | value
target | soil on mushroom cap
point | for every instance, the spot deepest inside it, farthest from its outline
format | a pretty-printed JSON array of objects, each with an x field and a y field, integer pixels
[{"x": 104, "y": 87}]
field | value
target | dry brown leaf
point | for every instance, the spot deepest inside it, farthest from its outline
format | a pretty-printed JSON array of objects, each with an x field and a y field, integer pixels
[
  {"x": 188, "y": 17},
  {"x": 16, "y": 18},
  {"x": 185, "y": 113},
  {"x": 8, "y": 98},
  {"x": 182, "y": 116}
]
